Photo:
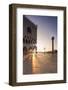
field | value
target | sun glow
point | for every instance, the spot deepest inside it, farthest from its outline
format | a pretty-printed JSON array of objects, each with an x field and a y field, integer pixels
[
  {"x": 34, "y": 54},
  {"x": 34, "y": 60},
  {"x": 40, "y": 47}
]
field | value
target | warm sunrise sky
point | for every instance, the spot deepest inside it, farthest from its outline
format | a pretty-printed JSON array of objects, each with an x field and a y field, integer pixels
[{"x": 46, "y": 28}]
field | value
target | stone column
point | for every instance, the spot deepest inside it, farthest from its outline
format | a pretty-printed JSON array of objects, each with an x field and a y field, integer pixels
[{"x": 52, "y": 44}]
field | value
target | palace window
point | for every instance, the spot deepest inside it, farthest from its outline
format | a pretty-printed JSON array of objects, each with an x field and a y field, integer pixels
[{"x": 28, "y": 30}]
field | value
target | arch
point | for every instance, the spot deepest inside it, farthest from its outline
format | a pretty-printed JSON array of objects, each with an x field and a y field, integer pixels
[
  {"x": 35, "y": 47},
  {"x": 25, "y": 50},
  {"x": 30, "y": 49}
]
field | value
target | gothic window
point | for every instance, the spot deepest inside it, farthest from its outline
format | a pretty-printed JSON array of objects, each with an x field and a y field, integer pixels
[
  {"x": 23, "y": 40},
  {"x": 29, "y": 30},
  {"x": 26, "y": 41},
  {"x": 25, "y": 36}
]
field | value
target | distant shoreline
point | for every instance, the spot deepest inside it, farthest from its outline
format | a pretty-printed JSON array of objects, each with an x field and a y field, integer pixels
[{"x": 55, "y": 51}]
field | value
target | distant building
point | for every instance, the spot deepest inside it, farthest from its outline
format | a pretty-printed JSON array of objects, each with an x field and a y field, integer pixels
[{"x": 29, "y": 35}]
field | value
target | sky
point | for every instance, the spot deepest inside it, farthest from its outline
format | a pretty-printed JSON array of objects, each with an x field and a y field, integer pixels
[{"x": 46, "y": 28}]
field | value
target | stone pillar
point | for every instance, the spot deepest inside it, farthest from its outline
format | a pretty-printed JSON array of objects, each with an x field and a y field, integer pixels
[{"x": 52, "y": 44}]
